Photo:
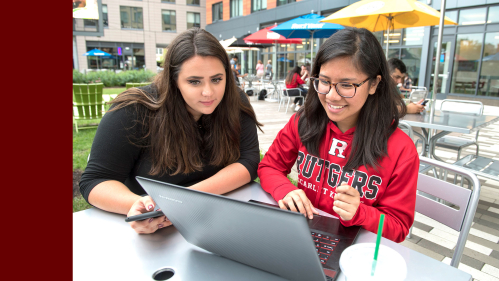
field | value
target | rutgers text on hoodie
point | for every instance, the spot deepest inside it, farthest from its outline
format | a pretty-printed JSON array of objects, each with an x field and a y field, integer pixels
[{"x": 391, "y": 190}]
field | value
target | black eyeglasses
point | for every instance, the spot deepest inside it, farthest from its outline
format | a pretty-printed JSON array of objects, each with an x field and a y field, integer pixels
[{"x": 344, "y": 89}]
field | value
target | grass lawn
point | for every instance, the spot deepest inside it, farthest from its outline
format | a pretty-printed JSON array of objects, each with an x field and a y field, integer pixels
[{"x": 82, "y": 142}]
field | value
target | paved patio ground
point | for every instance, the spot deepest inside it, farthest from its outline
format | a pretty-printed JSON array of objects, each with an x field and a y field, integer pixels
[{"x": 481, "y": 255}]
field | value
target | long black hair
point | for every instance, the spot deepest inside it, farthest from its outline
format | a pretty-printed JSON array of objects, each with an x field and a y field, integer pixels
[
  {"x": 291, "y": 73},
  {"x": 380, "y": 114}
]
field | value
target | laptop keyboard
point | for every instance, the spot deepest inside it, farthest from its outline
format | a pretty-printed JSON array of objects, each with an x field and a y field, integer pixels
[{"x": 324, "y": 245}]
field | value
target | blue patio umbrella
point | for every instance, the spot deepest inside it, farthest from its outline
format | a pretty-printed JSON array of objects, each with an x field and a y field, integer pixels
[
  {"x": 97, "y": 53},
  {"x": 307, "y": 26}
]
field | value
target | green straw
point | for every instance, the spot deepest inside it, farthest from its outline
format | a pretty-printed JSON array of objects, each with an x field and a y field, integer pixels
[{"x": 378, "y": 240}]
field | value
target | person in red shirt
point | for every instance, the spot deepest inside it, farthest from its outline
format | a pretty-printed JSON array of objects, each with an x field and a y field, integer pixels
[
  {"x": 293, "y": 80},
  {"x": 352, "y": 160}
]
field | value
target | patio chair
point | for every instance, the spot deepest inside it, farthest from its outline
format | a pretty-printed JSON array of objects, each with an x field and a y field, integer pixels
[
  {"x": 447, "y": 203},
  {"x": 136, "y": 85},
  {"x": 406, "y": 128},
  {"x": 465, "y": 107},
  {"x": 88, "y": 104},
  {"x": 481, "y": 166},
  {"x": 285, "y": 94},
  {"x": 417, "y": 94}
]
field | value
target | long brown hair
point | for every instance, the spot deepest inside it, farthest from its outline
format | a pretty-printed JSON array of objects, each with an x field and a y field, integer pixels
[
  {"x": 176, "y": 143},
  {"x": 378, "y": 118}
]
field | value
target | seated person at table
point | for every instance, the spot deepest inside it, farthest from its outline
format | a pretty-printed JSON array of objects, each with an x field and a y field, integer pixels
[
  {"x": 305, "y": 72},
  {"x": 397, "y": 69},
  {"x": 293, "y": 80},
  {"x": 352, "y": 160},
  {"x": 191, "y": 127}
]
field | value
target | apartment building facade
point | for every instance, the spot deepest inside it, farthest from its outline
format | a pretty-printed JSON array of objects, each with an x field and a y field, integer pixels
[
  {"x": 135, "y": 32},
  {"x": 469, "y": 59}
]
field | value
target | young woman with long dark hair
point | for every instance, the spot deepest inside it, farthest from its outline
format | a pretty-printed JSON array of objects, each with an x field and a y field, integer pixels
[
  {"x": 293, "y": 80},
  {"x": 353, "y": 162},
  {"x": 191, "y": 127}
]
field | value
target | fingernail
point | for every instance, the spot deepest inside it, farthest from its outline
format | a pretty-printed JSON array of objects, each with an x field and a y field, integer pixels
[
  {"x": 151, "y": 219},
  {"x": 160, "y": 225},
  {"x": 150, "y": 207}
]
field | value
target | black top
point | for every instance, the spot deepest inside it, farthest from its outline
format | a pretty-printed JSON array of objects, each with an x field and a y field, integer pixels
[{"x": 117, "y": 155}]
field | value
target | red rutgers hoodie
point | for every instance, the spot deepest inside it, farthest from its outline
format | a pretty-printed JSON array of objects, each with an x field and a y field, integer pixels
[{"x": 391, "y": 190}]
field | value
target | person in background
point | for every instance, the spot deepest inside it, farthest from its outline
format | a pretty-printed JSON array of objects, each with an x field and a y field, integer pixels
[
  {"x": 293, "y": 80},
  {"x": 353, "y": 161},
  {"x": 233, "y": 62},
  {"x": 268, "y": 70},
  {"x": 397, "y": 69},
  {"x": 259, "y": 69},
  {"x": 190, "y": 127},
  {"x": 305, "y": 72},
  {"x": 238, "y": 74}
]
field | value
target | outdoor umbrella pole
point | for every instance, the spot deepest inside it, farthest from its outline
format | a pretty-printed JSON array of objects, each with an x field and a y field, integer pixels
[
  {"x": 311, "y": 48},
  {"x": 388, "y": 35},
  {"x": 437, "y": 65}
]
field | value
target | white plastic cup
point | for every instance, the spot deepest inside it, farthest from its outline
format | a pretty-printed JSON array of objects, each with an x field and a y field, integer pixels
[{"x": 356, "y": 263}]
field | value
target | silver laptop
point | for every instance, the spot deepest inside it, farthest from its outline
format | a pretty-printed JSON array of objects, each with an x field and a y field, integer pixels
[{"x": 265, "y": 237}]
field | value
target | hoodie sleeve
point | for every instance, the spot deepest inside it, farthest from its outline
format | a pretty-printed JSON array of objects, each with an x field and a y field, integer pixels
[
  {"x": 397, "y": 203},
  {"x": 278, "y": 161}
]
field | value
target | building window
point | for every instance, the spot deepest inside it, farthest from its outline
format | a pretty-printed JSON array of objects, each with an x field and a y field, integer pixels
[
  {"x": 169, "y": 20},
  {"x": 131, "y": 17},
  {"x": 258, "y": 5},
  {"x": 94, "y": 23},
  {"x": 193, "y": 20},
  {"x": 451, "y": 15},
  {"x": 236, "y": 8},
  {"x": 472, "y": 16},
  {"x": 193, "y": 2},
  {"x": 466, "y": 59},
  {"x": 104, "y": 15},
  {"x": 217, "y": 11},
  {"x": 493, "y": 15},
  {"x": 489, "y": 78},
  {"x": 90, "y": 23},
  {"x": 284, "y": 2},
  {"x": 167, "y": 1}
]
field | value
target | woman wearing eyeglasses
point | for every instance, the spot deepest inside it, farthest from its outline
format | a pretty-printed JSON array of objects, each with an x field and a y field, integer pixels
[{"x": 352, "y": 160}]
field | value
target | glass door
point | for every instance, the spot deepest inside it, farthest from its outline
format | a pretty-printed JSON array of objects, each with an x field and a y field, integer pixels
[{"x": 445, "y": 65}]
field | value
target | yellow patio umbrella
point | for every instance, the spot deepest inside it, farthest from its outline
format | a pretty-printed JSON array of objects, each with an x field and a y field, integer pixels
[{"x": 377, "y": 15}]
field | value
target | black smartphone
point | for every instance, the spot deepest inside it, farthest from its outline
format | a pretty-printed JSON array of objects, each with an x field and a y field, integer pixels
[
  {"x": 425, "y": 102},
  {"x": 153, "y": 214}
]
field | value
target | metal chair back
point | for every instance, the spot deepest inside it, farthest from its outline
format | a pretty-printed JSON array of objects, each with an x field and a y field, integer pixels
[
  {"x": 462, "y": 106},
  {"x": 418, "y": 94},
  {"x": 458, "y": 206},
  {"x": 404, "y": 126}
]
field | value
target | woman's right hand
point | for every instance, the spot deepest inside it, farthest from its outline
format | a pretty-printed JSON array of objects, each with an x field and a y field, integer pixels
[
  {"x": 298, "y": 198},
  {"x": 144, "y": 205}
]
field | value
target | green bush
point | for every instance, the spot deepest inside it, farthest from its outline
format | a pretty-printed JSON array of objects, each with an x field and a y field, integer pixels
[{"x": 112, "y": 79}]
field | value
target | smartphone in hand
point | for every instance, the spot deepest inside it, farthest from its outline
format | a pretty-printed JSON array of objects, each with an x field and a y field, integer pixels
[
  {"x": 425, "y": 102},
  {"x": 153, "y": 214}
]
